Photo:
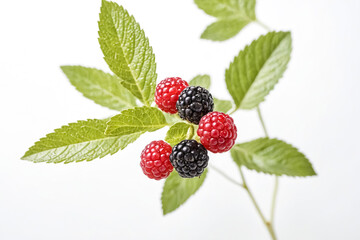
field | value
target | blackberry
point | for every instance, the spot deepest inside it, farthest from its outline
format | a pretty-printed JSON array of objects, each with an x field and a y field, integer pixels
[
  {"x": 194, "y": 103},
  {"x": 189, "y": 158}
]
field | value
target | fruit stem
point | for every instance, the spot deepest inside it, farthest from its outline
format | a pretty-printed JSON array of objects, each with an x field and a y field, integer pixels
[
  {"x": 262, "y": 121},
  {"x": 190, "y": 133},
  {"x": 227, "y": 177},
  {"x": 263, "y": 25},
  {"x": 268, "y": 224},
  {"x": 276, "y": 186}
]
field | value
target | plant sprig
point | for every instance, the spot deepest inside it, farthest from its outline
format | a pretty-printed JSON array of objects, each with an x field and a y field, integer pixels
[{"x": 250, "y": 77}]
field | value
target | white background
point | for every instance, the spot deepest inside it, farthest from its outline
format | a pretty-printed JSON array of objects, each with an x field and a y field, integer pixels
[{"x": 315, "y": 107}]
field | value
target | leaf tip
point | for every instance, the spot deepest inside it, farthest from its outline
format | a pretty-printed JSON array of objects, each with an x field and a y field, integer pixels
[
  {"x": 26, "y": 155},
  {"x": 164, "y": 211},
  {"x": 313, "y": 173}
]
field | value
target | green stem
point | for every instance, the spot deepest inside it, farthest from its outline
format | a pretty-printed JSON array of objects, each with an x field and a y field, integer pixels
[
  {"x": 227, "y": 177},
  {"x": 262, "y": 121},
  {"x": 190, "y": 133},
  {"x": 263, "y": 25},
  {"x": 232, "y": 112},
  {"x": 268, "y": 224},
  {"x": 276, "y": 186}
]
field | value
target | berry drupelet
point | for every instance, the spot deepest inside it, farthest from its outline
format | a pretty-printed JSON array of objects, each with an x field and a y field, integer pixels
[
  {"x": 155, "y": 161},
  {"x": 167, "y": 93},
  {"x": 217, "y": 132},
  {"x": 194, "y": 103},
  {"x": 189, "y": 158}
]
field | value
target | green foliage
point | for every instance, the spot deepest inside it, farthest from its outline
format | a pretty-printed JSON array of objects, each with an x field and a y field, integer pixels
[
  {"x": 201, "y": 80},
  {"x": 80, "y": 141},
  {"x": 127, "y": 51},
  {"x": 103, "y": 88},
  {"x": 178, "y": 132},
  {"x": 232, "y": 16},
  {"x": 256, "y": 70},
  {"x": 222, "y": 105},
  {"x": 177, "y": 190},
  {"x": 172, "y": 118},
  {"x": 272, "y": 156},
  {"x": 249, "y": 79},
  {"x": 139, "y": 119},
  {"x": 223, "y": 29}
]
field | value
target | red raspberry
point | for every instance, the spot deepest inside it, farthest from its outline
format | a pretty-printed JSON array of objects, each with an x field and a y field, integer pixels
[
  {"x": 167, "y": 93},
  {"x": 155, "y": 160},
  {"x": 217, "y": 132}
]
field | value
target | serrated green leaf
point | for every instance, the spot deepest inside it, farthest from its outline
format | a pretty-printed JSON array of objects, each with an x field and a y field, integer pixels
[
  {"x": 201, "y": 80},
  {"x": 228, "y": 8},
  {"x": 256, "y": 70},
  {"x": 178, "y": 132},
  {"x": 80, "y": 141},
  {"x": 127, "y": 51},
  {"x": 139, "y": 119},
  {"x": 224, "y": 29},
  {"x": 177, "y": 190},
  {"x": 222, "y": 105},
  {"x": 103, "y": 88},
  {"x": 272, "y": 156},
  {"x": 232, "y": 16}
]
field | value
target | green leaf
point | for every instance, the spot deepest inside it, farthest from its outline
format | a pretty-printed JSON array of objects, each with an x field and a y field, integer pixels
[
  {"x": 272, "y": 156},
  {"x": 232, "y": 16},
  {"x": 222, "y": 105},
  {"x": 80, "y": 141},
  {"x": 177, "y": 190},
  {"x": 178, "y": 132},
  {"x": 139, "y": 119},
  {"x": 171, "y": 118},
  {"x": 127, "y": 51},
  {"x": 256, "y": 70},
  {"x": 225, "y": 8},
  {"x": 224, "y": 29},
  {"x": 201, "y": 80},
  {"x": 103, "y": 88}
]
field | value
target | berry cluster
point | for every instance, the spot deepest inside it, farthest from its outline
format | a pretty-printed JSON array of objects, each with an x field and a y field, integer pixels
[{"x": 195, "y": 104}]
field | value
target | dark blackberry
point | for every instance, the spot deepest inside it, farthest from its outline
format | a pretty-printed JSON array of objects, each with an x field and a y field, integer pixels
[
  {"x": 194, "y": 103},
  {"x": 189, "y": 158}
]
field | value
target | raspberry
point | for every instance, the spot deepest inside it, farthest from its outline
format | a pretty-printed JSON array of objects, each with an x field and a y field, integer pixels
[
  {"x": 155, "y": 160},
  {"x": 167, "y": 93},
  {"x": 189, "y": 158},
  {"x": 194, "y": 103},
  {"x": 217, "y": 132}
]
